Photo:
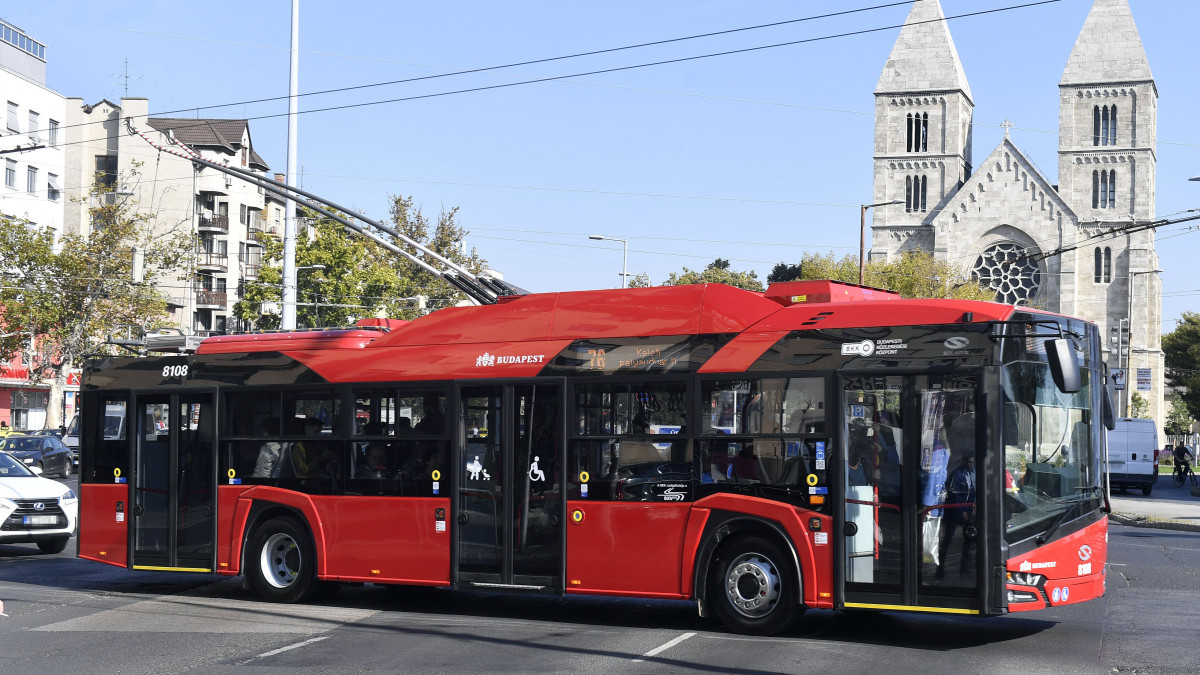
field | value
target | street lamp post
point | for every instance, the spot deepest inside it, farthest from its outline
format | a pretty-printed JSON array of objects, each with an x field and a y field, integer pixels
[
  {"x": 1129, "y": 347},
  {"x": 862, "y": 235},
  {"x": 624, "y": 255}
]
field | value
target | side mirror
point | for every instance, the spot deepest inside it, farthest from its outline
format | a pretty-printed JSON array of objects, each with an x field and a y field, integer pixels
[
  {"x": 1109, "y": 412},
  {"x": 1064, "y": 367}
]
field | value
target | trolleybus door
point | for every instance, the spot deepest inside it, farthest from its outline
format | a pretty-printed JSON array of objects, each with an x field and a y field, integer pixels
[
  {"x": 510, "y": 496},
  {"x": 914, "y": 535},
  {"x": 174, "y": 482}
]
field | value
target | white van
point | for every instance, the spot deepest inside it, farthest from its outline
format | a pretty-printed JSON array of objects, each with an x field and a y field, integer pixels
[{"x": 1132, "y": 452}]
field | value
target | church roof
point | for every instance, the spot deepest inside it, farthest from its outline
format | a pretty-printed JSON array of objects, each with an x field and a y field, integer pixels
[
  {"x": 1006, "y": 182},
  {"x": 1108, "y": 49},
  {"x": 924, "y": 57}
]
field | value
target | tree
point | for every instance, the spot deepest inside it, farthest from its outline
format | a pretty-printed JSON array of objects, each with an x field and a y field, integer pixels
[
  {"x": 347, "y": 276},
  {"x": 1179, "y": 422},
  {"x": 1138, "y": 405},
  {"x": 717, "y": 272},
  {"x": 1181, "y": 348},
  {"x": 61, "y": 301},
  {"x": 914, "y": 274}
]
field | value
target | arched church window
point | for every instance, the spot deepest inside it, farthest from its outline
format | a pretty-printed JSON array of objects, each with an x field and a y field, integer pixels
[
  {"x": 1112, "y": 126},
  {"x": 915, "y": 193},
  {"x": 1095, "y": 189},
  {"x": 1099, "y": 267},
  {"x": 1108, "y": 189},
  {"x": 1010, "y": 271},
  {"x": 918, "y": 132},
  {"x": 1096, "y": 125},
  {"x": 1107, "y": 264},
  {"x": 1104, "y": 126}
]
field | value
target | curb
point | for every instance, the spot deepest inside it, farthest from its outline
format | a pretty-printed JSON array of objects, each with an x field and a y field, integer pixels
[{"x": 1156, "y": 523}]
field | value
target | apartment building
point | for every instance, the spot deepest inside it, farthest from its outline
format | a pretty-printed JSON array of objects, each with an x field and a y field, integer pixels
[
  {"x": 31, "y": 149},
  {"x": 32, "y": 161},
  {"x": 224, "y": 213}
]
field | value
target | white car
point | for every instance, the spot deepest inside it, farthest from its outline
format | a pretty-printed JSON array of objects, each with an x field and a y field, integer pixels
[{"x": 34, "y": 509}]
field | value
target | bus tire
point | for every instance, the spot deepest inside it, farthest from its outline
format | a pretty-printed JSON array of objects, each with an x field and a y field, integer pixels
[
  {"x": 753, "y": 587},
  {"x": 281, "y": 562}
]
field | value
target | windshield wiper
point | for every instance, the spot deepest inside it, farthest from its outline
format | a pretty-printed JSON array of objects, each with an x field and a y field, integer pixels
[{"x": 1045, "y": 536}]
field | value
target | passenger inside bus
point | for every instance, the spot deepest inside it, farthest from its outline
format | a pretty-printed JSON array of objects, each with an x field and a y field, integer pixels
[
  {"x": 267, "y": 463},
  {"x": 959, "y": 514}
]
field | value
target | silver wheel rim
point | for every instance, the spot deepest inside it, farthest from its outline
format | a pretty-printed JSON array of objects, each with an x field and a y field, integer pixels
[
  {"x": 752, "y": 585},
  {"x": 280, "y": 560}
]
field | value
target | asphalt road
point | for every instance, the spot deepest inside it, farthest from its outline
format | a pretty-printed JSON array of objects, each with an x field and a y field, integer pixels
[{"x": 70, "y": 615}]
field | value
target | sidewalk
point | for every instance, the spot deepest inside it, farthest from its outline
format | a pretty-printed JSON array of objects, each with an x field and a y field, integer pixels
[{"x": 1166, "y": 507}]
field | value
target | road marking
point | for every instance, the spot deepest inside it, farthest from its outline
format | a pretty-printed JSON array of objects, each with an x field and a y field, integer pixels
[
  {"x": 192, "y": 614},
  {"x": 281, "y": 650},
  {"x": 662, "y": 648}
]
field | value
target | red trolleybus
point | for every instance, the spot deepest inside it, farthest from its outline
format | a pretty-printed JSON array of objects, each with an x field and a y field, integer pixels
[{"x": 817, "y": 445}]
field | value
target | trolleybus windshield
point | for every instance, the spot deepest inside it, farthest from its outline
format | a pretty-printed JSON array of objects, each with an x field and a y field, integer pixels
[{"x": 1050, "y": 453}]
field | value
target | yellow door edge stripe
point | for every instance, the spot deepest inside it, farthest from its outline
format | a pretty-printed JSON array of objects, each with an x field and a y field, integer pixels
[
  {"x": 912, "y": 608},
  {"x": 172, "y": 569}
]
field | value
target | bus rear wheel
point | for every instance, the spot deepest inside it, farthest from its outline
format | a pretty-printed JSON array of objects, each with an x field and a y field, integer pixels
[
  {"x": 281, "y": 562},
  {"x": 753, "y": 587}
]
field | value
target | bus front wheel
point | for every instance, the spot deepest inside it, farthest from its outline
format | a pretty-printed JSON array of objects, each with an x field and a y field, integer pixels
[
  {"x": 281, "y": 561},
  {"x": 753, "y": 587}
]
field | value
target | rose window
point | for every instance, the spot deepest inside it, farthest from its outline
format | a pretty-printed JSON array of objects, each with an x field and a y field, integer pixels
[{"x": 1010, "y": 271}]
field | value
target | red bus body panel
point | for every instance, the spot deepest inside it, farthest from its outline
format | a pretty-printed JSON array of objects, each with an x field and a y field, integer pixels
[
  {"x": 626, "y": 548},
  {"x": 103, "y": 527},
  {"x": 357, "y": 538},
  {"x": 1073, "y": 567}
]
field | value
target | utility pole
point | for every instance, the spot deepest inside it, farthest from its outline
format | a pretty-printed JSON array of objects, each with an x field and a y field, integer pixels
[{"x": 288, "y": 318}]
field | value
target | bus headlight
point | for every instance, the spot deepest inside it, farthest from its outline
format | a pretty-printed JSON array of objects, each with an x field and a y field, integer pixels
[
  {"x": 1026, "y": 579},
  {"x": 1021, "y": 596}
]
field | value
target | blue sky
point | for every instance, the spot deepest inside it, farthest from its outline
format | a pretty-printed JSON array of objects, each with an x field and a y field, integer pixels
[{"x": 755, "y": 157}]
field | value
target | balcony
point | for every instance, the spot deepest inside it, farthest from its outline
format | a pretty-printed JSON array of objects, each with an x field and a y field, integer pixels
[
  {"x": 212, "y": 262},
  {"x": 211, "y": 223},
  {"x": 250, "y": 270},
  {"x": 255, "y": 235},
  {"x": 206, "y": 299}
]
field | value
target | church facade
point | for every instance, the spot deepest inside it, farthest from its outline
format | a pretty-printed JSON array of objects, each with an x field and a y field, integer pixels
[{"x": 1080, "y": 247}]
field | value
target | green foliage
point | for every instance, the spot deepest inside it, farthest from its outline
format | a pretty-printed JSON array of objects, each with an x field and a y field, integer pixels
[
  {"x": 1181, "y": 348},
  {"x": 1179, "y": 421},
  {"x": 717, "y": 272},
  {"x": 1138, "y": 405},
  {"x": 361, "y": 278},
  {"x": 913, "y": 275},
  {"x": 640, "y": 281},
  {"x": 786, "y": 272}
]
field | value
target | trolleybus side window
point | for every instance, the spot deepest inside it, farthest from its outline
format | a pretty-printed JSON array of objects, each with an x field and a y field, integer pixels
[
  {"x": 764, "y": 432},
  {"x": 631, "y": 441},
  {"x": 108, "y": 432},
  {"x": 400, "y": 442}
]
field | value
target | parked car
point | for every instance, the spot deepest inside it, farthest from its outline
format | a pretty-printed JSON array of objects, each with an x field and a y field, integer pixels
[
  {"x": 47, "y": 453},
  {"x": 34, "y": 509},
  {"x": 57, "y": 433}
]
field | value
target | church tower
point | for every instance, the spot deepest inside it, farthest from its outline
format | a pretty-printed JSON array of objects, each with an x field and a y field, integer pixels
[
  {"x": 1108, "y": 117},
  {"x": 923, "y": 112}
]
